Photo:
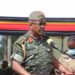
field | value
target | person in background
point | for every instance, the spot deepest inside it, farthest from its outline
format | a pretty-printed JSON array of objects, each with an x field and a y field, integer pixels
[
  {"x": 69, "y": 61},
  {"x": 5, "y": 70}
]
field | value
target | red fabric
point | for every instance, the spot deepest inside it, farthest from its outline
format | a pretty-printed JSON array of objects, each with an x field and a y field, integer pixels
[
  {"x": 60, "y": 27},
  {"x": 48, "y": 27},
  {"x": 14, "y": 26}
]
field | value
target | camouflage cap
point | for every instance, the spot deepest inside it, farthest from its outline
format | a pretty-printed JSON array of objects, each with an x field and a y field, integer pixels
[{"x": 36, "y": 15}]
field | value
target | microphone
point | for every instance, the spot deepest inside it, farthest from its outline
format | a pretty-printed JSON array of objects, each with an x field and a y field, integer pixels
[{"x": 52, "y": 44}]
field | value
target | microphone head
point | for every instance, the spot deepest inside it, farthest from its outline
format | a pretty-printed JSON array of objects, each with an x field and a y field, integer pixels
[{"x": 49, "y": 41}]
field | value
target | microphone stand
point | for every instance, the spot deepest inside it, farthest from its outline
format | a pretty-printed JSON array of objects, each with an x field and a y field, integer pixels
[
  {"x": 51, "y": 46},
  {"x": 64, "y": 53}
]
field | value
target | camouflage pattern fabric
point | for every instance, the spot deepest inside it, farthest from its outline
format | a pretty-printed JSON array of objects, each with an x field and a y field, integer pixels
[{"x": 38, "y": 58}]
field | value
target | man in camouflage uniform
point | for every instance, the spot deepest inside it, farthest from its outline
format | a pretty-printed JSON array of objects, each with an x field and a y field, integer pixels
[
  {"x": 67, "y": 61},
  {"x": 32, "y": 50}
]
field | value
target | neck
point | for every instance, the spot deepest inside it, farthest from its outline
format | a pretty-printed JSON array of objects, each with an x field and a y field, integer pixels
[{"x": 35, "y": 35}]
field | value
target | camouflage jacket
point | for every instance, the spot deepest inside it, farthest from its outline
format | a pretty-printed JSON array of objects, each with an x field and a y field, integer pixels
[{"x": 38, "y": 55}]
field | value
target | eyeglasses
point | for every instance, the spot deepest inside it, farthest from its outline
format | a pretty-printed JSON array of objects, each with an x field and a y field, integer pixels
[{"x": 40, "y": 23}]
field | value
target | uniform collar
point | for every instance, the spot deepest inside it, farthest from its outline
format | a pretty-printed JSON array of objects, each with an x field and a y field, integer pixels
[{"x": 31, "y": 36}]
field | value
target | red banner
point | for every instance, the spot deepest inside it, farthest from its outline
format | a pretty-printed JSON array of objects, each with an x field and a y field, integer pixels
[{"x": 51, "y": 26}]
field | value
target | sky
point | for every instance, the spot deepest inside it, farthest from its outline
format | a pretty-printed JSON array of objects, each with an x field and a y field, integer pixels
[{"x": 51, "y": 8}]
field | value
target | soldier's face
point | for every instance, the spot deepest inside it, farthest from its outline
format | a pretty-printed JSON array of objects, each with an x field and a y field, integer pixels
[
  {"x": 37, "y": 28},
  {"x": 71, "y": 44}
]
